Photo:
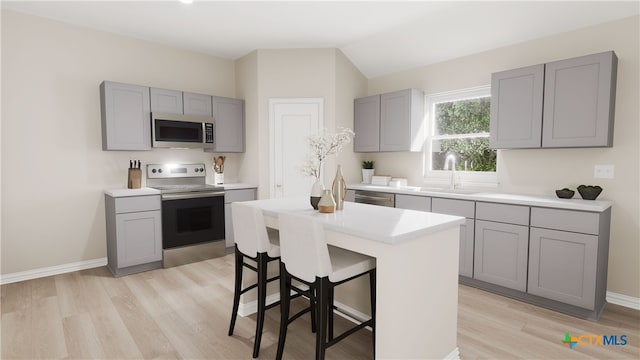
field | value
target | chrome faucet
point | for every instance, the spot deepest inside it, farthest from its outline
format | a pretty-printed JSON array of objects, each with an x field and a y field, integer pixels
[{"x": 451, "y": 158}]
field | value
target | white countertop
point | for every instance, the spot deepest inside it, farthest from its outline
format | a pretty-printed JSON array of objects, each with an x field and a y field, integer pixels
[
  {"x": 384, "y": 224},
  {"x": 516, "y": 199},
  {"x": 123, "y": 192}
]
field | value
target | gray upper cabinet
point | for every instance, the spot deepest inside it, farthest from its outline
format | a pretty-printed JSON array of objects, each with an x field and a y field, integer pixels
[
  {"x": 389, "y": 122},
  {"x": 366, "y": 124},
  {"x": 516, "y": 108},
  {"x": 579, "y": 101},
  {"x": 125, "y": 112},
  {"x": 229, "y": 120},
  {"x": 166, "y": 101},
  {"x": 567, "y": 103},
  {"x": 197, "y": 104},
  {"x": 401, "y": 120}
]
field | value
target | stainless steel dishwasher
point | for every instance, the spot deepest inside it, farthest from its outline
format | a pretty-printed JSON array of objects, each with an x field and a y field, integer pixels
[{"x": 375, "y": 198}]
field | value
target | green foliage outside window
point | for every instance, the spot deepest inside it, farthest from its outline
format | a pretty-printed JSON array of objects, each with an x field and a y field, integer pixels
[{"x": 464, "y": 117}]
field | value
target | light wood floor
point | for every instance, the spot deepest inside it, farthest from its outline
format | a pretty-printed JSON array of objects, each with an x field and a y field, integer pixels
[{"x": 183, "y": 312}]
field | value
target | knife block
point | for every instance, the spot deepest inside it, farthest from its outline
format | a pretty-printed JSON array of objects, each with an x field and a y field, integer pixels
[{"x": 135, "y": 179}]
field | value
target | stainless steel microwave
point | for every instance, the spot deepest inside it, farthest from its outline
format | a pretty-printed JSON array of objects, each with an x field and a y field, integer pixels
[{"x": 181, "y": 131}]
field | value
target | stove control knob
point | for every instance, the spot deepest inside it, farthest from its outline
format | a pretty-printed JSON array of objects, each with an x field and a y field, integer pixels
[
  {"x": 196, "y": 170},
  {"x": 160, "y": 171},
  {"x": 153, "y": 171},
  {"x": 201, "y": 170}
]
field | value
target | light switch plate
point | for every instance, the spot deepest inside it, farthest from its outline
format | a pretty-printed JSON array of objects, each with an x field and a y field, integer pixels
[{"x": 603, "y": 171}]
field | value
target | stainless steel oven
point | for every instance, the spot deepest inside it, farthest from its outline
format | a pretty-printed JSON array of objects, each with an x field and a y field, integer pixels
[{"x": 193, "y": 227}]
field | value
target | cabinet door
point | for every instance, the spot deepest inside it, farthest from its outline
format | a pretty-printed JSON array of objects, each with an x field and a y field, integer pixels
[
  {"x": 501, "y": 252},
  {"x": 139, "y": 238},
  {"x": 413, "y": 202},
  {"x": 467, "y": 235},
  {"x": 366, "y": 124},
  {"x": 401, "y": 114},
  {"x": 562, "y": 266},
  {"x": 228, "y": 115},
  {"x": 579, "y": 99},
  {"x": 197, "y": 104},
  {"x": 350, "y": 196},
  {"x": 166, "y": 101},
  {"x": 516, "y": 108},
  {"x": 125, "y": 116}
]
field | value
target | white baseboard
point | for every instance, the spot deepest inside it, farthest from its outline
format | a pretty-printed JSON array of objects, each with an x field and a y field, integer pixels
[
  {"x": 246, "y": 309},
  {"x": 52, "y": 270},
  {"x": 623, "y": 300},
  {"x": 454, "y": 355}
]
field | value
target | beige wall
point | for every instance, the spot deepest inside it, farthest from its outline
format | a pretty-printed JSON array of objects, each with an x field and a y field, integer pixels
[
  {"x": 53, "y": 168},
  {"x": 543, "y": 171}
]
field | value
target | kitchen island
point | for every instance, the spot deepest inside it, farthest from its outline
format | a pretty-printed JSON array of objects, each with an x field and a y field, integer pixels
[{"x": 417, "y": 271}]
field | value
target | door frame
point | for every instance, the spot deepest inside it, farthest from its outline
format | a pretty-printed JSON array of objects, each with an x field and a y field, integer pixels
[{"x": 272, "y": 131}]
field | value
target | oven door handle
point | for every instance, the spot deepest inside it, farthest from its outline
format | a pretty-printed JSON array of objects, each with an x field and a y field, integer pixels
[{"x": 192, "y": 195}]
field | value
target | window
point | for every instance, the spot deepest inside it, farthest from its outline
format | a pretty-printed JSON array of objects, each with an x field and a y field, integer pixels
[{"x": 458, "y": 135}]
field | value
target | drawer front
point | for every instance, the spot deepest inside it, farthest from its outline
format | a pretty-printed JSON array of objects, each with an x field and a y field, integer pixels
[
  {"x": 510, "y": 214},
  {"x": 413, "y": 202},
  {"x": 463, "y": 208},
  {"x": 239, "y": 195},
  {"x": 568, "y": 220},
  {"x": 137, "y": 203}
]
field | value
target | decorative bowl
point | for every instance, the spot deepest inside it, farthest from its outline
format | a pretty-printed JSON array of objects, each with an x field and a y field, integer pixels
[
  {"x": 565, "y": 193},
  {"x": 589, "y": 192}
]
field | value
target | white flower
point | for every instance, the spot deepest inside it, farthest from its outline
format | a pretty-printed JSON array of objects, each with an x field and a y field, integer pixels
[{"x": 323, "y": 145}]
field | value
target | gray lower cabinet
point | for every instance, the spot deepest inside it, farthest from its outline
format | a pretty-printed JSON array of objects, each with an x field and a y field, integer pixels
[
  {"x": 125, "y": 112},
  {"x": 231, "y": 196},
  {"x": 413, "y": 202},
  {"x": 350, "y": 195},
  {"x": 501, "y": 252},
  {"x": 197, "y": 104},
  {"x": 134, "y": 233},
  {"x": 566, "y": 103},
  {"x": 568, "y": 256},
  {"x": 229, "y": 118},
  {"x": 502, "y": 244},
  {"x": 466, "y": 209},
  {"x": 166, "y": 101}
]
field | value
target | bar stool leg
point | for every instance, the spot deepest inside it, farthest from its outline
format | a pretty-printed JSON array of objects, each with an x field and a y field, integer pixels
[
  {"x": 261, "y": 265},
  {"x": 237, "y": 289},
  {"x": 322, "y": 299},
  {"x": 372, "y": 288},
  {"x": 330, "y": 313},
  {"x": 285, "y": 301}
]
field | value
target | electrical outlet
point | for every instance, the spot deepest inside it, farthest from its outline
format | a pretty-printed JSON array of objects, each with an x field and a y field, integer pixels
[{"x": 603, "y": 171}]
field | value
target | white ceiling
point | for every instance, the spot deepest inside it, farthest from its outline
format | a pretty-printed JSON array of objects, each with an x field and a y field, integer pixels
[{"x": 379, "y": 37}]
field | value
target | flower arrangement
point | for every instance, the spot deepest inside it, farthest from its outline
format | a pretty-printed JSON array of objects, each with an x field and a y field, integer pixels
[{"x": 323, "y": 145}]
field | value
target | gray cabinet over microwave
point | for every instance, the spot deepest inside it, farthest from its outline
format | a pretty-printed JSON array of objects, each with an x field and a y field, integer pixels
[
  {"x": 166, "y": 101},
  {"x": 197, "y": 104},
  {"x": 566, "y": 103}
]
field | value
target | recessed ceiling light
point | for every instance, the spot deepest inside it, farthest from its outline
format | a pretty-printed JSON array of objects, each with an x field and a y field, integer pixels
[{"x": 186, "y": 1}]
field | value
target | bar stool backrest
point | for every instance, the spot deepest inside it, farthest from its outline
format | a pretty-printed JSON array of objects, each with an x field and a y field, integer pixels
[
  {"x": 303, "y": 248},
  {"x": 249, "y": 230}
]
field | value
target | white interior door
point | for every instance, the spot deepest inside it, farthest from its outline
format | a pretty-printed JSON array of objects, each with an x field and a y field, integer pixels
[{"x": 291, "y": 121}]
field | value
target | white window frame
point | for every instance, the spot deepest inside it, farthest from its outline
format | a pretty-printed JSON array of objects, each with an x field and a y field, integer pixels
[{"x": 442, "y": 178}]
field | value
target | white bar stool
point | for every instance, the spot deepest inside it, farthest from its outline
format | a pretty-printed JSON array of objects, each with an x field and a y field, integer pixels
[
  {"x": 306, "y": 257},
  {"x": 253, "y": 241}
]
